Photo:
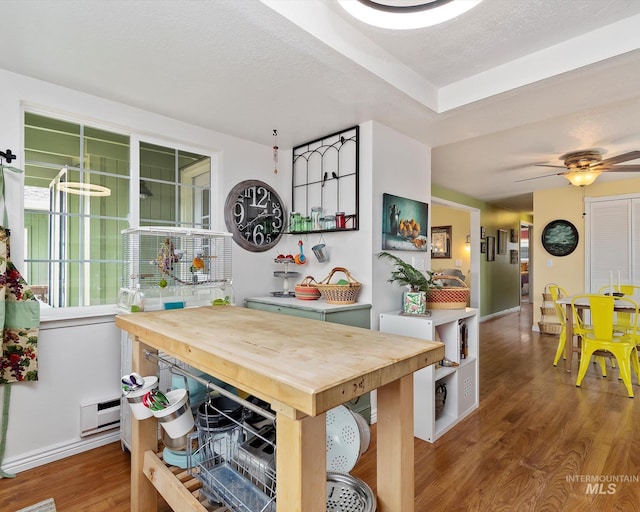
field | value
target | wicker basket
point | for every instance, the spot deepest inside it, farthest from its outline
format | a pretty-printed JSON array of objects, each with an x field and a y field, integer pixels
[
  {"x": 549, "y": 327},
  {"x": 448, "y": 298},
  {"x": 307, "y": 289},
  {"x": 545, "y": 310},
  {"x": 339, "y": 293}
]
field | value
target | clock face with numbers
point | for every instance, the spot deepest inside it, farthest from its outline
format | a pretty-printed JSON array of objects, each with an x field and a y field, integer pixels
[{"x": 254, "y": 215}]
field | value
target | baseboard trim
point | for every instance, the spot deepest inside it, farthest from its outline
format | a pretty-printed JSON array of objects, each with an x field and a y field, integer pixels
[
  {"x": 35, "y": 459},
  {"x": 499, "y": 313}
]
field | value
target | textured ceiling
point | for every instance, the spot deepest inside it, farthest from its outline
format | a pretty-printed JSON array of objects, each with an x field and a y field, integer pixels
[{"x": 509, "y": 84}]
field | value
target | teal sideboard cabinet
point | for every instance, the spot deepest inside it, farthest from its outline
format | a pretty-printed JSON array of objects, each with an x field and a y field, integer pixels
[{"x": 356, "y": 315}]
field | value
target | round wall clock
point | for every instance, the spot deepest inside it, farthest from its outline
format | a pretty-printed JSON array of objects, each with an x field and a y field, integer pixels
[
  {"x": 559, "y": 237},
  {"x": 254, "y": 215}
]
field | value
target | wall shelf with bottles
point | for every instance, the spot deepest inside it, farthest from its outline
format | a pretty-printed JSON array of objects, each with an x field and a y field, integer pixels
[{"x": 325, "y": 184}]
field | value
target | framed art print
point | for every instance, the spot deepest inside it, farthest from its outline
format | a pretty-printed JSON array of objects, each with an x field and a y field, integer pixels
[
  {"x": 502, "y": 241},
  {"x": 404, "y": 224},
  {"x": 560, "y": 237},
  {"x": 441, "y": 242},
  {"x": 491, "y": 248}
]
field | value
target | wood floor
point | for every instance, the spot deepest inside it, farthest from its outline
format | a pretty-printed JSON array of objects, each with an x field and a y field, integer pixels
[{"x": 532, "y": 445}]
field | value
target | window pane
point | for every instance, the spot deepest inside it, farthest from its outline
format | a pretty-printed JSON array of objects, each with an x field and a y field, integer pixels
[
  {"x": 160, "y": 208},
  {"x": 106, "y": 152},
  {"x": 74, "y": 239},
  {"x": 157, "y": 162},
  {"x": 73, "y": 230}
]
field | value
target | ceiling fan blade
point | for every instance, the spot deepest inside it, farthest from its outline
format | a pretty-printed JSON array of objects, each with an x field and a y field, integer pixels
[
  {"x": 625, "y": 157},
  {"x": 549, "y": 165},
  {"x": 623, "y": 168},
  {"x": 543, "y": 176}
]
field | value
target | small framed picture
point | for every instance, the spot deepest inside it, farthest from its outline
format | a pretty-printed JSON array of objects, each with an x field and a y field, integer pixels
[
  {"x": 441, "y": 242},
  {"x": 502, "y": 241},
  {"x": 483, "y": 232},
  {"x": 483, "y": 246},
  {"x": 513, "y": 238},
  {"x": 513, "y": 253},
  {"x": 491, "y": 248}
]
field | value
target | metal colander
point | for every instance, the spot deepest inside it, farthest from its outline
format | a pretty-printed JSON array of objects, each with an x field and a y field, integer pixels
[
  {"x": 346, "y": 493},
  {"x": 342, "y": 440}
]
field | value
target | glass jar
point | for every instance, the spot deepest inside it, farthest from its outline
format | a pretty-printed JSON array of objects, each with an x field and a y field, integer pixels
[
  {"x": 294, "y": 222},
  {"x": 305, "y": 224},
  {"x": 316, "y": 213},
  {"x": 341, "y": 221},
  {"x": 330, "y": 221}
]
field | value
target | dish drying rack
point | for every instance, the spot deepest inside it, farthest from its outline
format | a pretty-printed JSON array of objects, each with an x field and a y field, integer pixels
[
  {"x": 235, "y": 471},
  {"x": 237, "y": 475}
]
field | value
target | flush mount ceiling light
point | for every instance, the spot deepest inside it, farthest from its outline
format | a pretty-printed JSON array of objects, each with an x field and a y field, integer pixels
[{"x": 407, "y": 14}]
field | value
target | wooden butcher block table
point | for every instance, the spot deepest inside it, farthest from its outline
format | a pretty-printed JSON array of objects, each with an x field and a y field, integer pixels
[{"x": 302, "y": 368}]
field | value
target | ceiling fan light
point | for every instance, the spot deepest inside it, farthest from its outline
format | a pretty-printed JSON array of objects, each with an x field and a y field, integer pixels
[{"x": 582, "y": 178}]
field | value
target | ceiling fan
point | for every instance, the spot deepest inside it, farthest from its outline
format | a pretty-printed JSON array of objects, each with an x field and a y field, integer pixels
[{"x": 583, "y": 167}]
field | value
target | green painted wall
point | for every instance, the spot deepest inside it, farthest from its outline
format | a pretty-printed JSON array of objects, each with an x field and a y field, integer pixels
[{"x": 499, "y": 279}]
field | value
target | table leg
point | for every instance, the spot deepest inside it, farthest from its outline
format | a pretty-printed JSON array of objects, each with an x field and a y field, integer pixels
[
  {"x": 568, "y": 345},
  {"x": 301, "y": 464},
  {"x": 144, "y": 436},
  {"x": 395, "y": 459}
]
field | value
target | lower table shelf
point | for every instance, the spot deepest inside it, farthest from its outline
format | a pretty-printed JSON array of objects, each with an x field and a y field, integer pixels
[{"x": 179, "y": 489}]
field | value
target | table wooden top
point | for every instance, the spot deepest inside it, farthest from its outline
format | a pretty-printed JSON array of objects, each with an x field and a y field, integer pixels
[
  {"x": 308, "y": 365},
  {"x": 583, "y": 302}
]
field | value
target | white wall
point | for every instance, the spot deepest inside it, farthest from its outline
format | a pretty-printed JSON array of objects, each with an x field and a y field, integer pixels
[
  {"x": 44, "y": 416},
  {"x": 402, "y": 167}
]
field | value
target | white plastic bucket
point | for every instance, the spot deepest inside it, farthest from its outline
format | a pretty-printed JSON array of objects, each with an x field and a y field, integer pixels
[
  {"x": 139, "y": 410},
  {"x": 176, "y": 419}
]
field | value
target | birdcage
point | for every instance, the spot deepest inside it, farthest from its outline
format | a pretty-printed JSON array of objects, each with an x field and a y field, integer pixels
[{"x": 167, "y": 268}]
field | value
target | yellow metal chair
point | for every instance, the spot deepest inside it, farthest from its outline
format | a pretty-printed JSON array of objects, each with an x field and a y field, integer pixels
[
  {"x": 623, "y": 321},
  {"x": 579, "y": 327},
  {"x": 556, "y": 292},
  {"x": 601, "y": 337}
]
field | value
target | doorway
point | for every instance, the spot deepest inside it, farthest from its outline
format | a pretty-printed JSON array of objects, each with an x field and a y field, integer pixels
[
  {"x": 525, "y": 262},
  {"x": 469, "y": 239}
]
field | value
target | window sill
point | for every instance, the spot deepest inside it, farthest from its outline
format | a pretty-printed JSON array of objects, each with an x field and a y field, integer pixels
[{"x": 52, "y": 318}]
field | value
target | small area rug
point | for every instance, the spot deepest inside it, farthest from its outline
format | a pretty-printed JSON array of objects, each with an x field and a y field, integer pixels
[{"x": 43, "y": 506}]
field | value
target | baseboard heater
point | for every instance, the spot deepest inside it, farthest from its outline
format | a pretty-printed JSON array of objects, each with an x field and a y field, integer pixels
[{"x": 99, "y": 417}]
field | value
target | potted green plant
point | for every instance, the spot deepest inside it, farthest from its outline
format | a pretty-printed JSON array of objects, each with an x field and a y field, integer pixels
[{"x": 419, "y": 282}]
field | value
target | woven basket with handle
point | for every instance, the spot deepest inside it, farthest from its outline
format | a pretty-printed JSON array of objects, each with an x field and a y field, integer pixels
[
  {"x": 307, "y": 289},
  {"x": 452, "y": 297},
  {"x": 335, "y": 293}
]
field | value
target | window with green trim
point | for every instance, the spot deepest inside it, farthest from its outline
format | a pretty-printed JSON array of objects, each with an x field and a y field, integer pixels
[{"x": 78, "y": 189}]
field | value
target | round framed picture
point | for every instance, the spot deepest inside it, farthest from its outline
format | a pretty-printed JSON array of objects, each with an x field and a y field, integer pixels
[{"x": 559, "y": 237}]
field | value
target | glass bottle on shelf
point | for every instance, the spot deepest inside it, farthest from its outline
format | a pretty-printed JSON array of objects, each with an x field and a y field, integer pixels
[
  {"x": 330, "y": 221},
  {"x": 294, "y": 222},
  {"x": 316, "y": 213},
  {"x": 341, "y": 222}
]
